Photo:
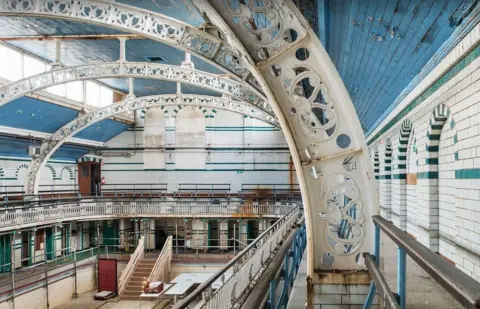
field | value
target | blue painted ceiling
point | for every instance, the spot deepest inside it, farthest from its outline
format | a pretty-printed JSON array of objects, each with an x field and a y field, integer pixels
[
  {"x": 19, "y": 148},
  {"x": 380, "y": 46}
]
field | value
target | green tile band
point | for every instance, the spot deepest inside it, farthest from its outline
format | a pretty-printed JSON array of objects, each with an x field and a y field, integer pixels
[{"x": 447, "y": 76}]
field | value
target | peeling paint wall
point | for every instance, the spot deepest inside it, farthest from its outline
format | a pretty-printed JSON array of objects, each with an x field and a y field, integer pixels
[{"x": 232, "y": 150}]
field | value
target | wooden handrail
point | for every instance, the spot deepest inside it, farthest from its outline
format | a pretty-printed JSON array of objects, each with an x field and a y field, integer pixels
[
  {"x": 132, "y": 264},
  {"x": 163, "y": 265}
]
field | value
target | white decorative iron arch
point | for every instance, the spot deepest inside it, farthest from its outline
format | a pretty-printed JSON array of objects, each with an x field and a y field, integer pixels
[
  {"x": 62, "y": 135},
  {"x": 321, "y": 127},
  {"x": 149, "y": 24},
  {"x": 319, "y": 121},
  {"x": 237, "y": 90}
]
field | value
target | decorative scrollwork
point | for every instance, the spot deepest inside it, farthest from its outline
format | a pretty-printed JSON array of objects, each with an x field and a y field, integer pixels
[
  {"x": 207, "y": 294},
  {"x": 313, "y": 106},
  {"x": 233, "y": 296},
  {"x": 59, "y": 137},
  {"x": 154, "y": 25},
  {"x": 262, "y": 26},
  {"x": 197, "y": 78},
  {"x": 344, "y": 214}
]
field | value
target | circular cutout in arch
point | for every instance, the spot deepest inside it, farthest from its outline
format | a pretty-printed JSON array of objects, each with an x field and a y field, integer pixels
[
  {"x": 343, "y": 141},
  {"x": 290, "y": 35},
  {"x": 328, "y": 260},
  {"x": 302, "y": 54}
]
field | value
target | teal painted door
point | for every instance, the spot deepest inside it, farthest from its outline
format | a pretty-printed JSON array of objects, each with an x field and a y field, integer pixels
[
  {"x": 109, "y": 234},
  {"x": 49, "y": 243},
  {"x": 5, "y": 253}
]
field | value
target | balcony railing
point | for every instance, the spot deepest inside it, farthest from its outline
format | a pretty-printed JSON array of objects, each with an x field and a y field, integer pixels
[
  {"x": 238, "y": 277},
  {"x": 104, "y": 208}
]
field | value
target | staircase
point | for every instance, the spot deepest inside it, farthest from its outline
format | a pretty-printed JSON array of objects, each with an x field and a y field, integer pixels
[{"x": 134, "y": 286}]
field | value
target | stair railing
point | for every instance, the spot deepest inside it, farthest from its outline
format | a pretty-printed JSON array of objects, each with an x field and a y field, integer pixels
[
  {"x": 132, "y": 264},
  {"x": 161, "y": 269}
]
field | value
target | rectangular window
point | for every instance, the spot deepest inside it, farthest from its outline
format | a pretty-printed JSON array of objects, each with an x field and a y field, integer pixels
[
  {"x": 10, "y": 64},
  {"x": 32, "y": 66},
  {"x": 106, "y": 96},
  {"x": 92, "y": 94},
  {"x": 75, "y": 91},
  {"x": 86, "y": 171}
]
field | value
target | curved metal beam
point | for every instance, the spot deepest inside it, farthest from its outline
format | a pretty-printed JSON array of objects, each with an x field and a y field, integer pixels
[
  {"x": 146, "y": 23},
  {"x": 62, "y": 135},
  {"x": 232, "y": 88},
  {"x": 319, "y": 121}
]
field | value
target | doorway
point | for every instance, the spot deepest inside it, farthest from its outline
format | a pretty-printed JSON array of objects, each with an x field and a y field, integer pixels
[
  {"x": 89, "y": 178},
  {"x": 213, "y": 235}
]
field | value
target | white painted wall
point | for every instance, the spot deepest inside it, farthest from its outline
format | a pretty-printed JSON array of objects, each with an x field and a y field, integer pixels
[
  {"x": 56, "y": 172},
  {"x": 227, "y": 133},
  {"x": 412, "y": 201},
  {"x": 60, "y": 292},
  {"x": 447, "y": 213},
  {"x": 446, "y": 193}
]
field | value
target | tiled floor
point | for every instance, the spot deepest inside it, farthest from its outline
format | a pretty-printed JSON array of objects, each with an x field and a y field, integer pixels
[
  {"x": 86, "y": 301},
  {"x": 422, "y": 291}
]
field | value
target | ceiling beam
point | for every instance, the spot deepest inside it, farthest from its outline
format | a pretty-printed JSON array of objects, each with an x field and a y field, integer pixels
[
  {"x": 70, "y": 37},
  {"x": 30, "y": 134}
]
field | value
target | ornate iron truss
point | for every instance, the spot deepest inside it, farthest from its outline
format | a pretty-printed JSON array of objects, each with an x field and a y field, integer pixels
[
  {"x": 319, "y": 122},
  {"x": 143, "y": 22},
  {"x": 62, "y": 135},
  {"x": 270, "y": 45},
  {"x": 232, "y": 88}
]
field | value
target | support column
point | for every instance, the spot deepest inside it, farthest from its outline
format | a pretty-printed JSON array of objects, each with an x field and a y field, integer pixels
[
  {"x": 31, "y": 246},
  {"x": 136, "y": 231},
  {"x": 80, "y": 236},
  {"x": 17, "y": 249},
  {"x": 58, "y": 55},
  {"x": 243, "y": 233},
  {"x": 223, "y": 234},
  {"x": 131, "y": 94},
  {"x": 122, "y": 57},
  {"x": 68, "y": 236},
  {"x": 151, "y": 238},
  {"x": 121, "y": 234}
]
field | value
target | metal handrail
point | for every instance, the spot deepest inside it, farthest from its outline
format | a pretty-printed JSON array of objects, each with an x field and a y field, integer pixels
[
  {"x": 132, "y": 264},
  {"x": 161, "y": 269},
  {"x": 380, "y": 282},
  {"x": 204, "y": 286},
  {"x": 461, "y": 286}
]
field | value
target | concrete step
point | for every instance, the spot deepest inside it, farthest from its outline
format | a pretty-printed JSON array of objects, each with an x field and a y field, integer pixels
[
  {"x": 132, "y": 292},
  {"x": 143, "y": 266}
]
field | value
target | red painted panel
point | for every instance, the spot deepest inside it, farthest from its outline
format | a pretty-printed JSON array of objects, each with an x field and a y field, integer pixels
[{"x": 107, "y": 275}]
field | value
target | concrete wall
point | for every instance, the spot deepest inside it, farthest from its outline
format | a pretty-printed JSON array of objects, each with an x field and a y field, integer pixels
[
  {"x": 59, "y": 293},
  {"x": 441, "y": 176}
]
